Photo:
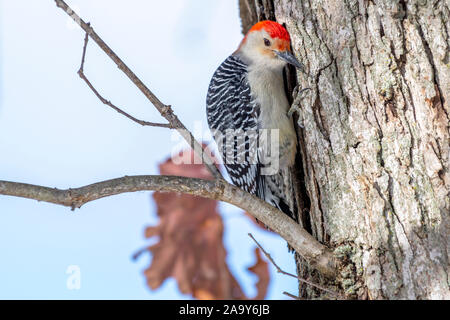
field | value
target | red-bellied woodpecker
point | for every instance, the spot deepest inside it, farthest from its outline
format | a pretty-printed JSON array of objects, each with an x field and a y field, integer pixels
[{"x": 247, "y": 113}]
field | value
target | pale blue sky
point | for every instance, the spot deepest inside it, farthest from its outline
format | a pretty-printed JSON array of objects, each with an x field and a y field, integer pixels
[{"x": 54, "y": 132}]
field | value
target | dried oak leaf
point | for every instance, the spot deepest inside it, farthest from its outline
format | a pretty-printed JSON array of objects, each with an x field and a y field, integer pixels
[
  {"x": 190, "y": 247},
  {"x": 261, "y": 270}
]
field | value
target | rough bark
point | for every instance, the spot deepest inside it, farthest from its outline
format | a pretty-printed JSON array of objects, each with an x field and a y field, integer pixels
[{"x": 375, "y": 144}]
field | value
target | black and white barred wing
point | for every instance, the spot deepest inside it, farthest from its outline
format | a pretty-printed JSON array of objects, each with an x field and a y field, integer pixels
[{"x": 232, "y": 117}]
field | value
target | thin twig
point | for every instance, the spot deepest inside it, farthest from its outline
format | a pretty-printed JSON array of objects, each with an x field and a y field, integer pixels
[
  {"x": 109, "y": 103},
  {"x": 279, "y": 270},
  {"x": 83, "y": 56},
  {"x": 290, "y": 295},
  {"x": 165, "y": 110}
]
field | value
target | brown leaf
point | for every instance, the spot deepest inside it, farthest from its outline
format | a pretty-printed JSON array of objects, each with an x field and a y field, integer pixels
[
  {"x": 261, "y": 270},
  {"x": 190, "y": 247}
]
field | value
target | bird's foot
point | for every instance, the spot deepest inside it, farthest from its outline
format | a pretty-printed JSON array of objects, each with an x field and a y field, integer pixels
[{"x": 296, "y": 106}]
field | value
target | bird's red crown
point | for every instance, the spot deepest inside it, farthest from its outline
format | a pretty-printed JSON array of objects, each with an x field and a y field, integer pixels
[{"x": 274, "y": 29}]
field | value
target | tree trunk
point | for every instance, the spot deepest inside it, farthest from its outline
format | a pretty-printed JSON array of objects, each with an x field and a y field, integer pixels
[{"x": 375, "y": 154}]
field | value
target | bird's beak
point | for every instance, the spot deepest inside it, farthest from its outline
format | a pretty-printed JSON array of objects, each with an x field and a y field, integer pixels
[{"x": 291, "y": 59}]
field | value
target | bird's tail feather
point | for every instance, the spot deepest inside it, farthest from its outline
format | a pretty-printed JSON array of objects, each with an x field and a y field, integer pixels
[{"x": 280, "y": 192}]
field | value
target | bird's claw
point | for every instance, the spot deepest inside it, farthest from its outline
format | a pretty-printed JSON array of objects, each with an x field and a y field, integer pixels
[
  {"x": 293, "y": 109},
  {"x": 296, "y": 107},
  {"x": 299, "y": 111},
  {"x": 300, "y": 92}
]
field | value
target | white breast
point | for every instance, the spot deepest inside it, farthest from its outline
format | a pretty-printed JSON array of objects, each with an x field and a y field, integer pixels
[{"x": 267, "y": 87}]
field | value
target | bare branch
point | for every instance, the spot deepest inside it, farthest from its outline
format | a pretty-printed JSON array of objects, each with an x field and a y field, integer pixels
[
  {"x": 279, "y": 270},
  {"x": 313, "y": 251},
  {"x": 165, "y": 110},
  {"x": 109, "y": 103}
]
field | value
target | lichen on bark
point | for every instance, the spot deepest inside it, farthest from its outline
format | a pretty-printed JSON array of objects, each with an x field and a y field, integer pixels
[{"x": 376, "y": 142}]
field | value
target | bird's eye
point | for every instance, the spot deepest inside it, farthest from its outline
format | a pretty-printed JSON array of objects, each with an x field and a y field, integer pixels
[{"x": 267, "y": 42}]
